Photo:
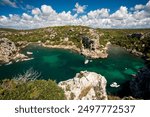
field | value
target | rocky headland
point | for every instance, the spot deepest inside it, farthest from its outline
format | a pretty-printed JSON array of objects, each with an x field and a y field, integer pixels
[
  {"x": 140, "y": 86},
  {"x": 85, "y": 86},
  {"x": 9, "y": 52},
  {"x": 96, "y": 53},
  {"x": 90, "y": 48}
]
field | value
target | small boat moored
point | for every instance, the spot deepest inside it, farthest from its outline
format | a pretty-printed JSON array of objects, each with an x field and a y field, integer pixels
[
  {"x": 115, "y": 85},
  {"x": 86, "y": 61},
  {"x": 29, "y": 53}
]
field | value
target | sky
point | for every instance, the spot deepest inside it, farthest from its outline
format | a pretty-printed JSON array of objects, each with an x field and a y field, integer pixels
[{"x": 32, "y": 14}]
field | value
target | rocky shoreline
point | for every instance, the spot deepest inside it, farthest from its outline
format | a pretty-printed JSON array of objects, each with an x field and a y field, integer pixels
[
  {"x": 90, "y": 54},
  {"x": 10, "y": 52},
  {"x": 134, "y": 52}
]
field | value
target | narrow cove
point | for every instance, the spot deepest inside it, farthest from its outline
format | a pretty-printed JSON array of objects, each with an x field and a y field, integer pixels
[{"x": 60, "y": 65}]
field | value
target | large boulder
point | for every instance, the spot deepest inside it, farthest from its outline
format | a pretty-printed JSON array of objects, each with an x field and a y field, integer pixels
[{"x": 85, "y": 86}]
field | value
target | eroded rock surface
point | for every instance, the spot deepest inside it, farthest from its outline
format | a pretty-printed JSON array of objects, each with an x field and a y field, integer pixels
[
  {"x": 9, "y": 51},
  {"x": 85, "y": 86}
]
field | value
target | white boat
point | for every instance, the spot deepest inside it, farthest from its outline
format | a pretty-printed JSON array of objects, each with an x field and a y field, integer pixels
[
  {"x": 17, "y": 60},
  {"x": 86, "y": 61},
  {"x": 29, "y": 53},
  {"x": 115, "y": 85},
  {"x": 27, "y": 59},
  {"x": 9, "y": 63},
  {"x": 91, "y": 60}
]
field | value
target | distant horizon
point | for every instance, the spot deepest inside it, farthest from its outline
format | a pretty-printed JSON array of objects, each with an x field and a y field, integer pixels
[
  {"x": 76, "y": 26},
  {"x": 104, "y": 14}
]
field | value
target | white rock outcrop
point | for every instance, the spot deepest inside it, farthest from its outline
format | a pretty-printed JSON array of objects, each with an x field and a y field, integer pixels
[
  {"x": 85, "y": 86},
  {"x": 7, "y": 49},
  {"x": 9, "y": 52}
]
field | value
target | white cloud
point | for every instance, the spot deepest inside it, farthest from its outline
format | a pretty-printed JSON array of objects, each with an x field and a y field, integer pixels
[
  {"x": 14, "y": 18},
  {"x": 36, "y": 11},
  {"x": 3, "y": 19},
  {"x": 29, "y": 6},
  {"x": 47, "y": 10},
  {"x": 100, "y": 13},
  {"x": 100, "y": 18},
  {"x": 79, "y": 9},
  {"x": 147, "y": 7},
  {"x": 9, "y": 3},
  {"x": 26, "y": 16},
  {"x": 120, "y": 14},
  {"x": 139, "y": 7}
]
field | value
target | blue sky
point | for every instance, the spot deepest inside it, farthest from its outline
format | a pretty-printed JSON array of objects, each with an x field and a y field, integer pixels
[
  {"x": 66, "y": 5},
  {"x": 93, "y": 13}
]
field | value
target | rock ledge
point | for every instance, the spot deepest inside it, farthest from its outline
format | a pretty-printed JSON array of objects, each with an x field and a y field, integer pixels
[{"x": 85, "y": 86}]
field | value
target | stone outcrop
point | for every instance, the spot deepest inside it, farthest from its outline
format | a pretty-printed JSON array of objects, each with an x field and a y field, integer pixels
[
  {"x": 91, "y": 48},
  {"x": 9, "y": 51},
  {"x": 135, "y": 35},
  {"x": 135, "y": 52},
  {"x": 85, "y": 86},
  {"x": 22, "y": 44},
  {"x": 88, "y": 43}
]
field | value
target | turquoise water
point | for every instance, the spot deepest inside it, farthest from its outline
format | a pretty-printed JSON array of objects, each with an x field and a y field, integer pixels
[{"x": 59, "y": 65}]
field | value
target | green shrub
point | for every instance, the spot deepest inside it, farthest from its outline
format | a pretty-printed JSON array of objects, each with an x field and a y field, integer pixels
[{"x": 31, "y": 90}]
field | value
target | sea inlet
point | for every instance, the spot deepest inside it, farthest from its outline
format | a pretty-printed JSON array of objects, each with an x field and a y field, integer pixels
[{"x": 60, "y": 65}]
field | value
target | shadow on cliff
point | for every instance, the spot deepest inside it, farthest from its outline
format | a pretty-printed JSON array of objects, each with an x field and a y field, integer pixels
[{"x": 125, "y": 90}]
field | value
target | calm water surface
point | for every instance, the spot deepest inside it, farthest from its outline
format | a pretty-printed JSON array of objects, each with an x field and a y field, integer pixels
[{"x": 59, "y": 65}]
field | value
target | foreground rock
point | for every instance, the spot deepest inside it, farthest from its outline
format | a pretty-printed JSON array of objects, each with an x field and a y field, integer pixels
[
  {"x": 85, "y": 86},
  {"x": 9, "y": 52}
]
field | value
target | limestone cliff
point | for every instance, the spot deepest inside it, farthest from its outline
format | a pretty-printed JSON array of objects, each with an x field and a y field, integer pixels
[
  {"x": 85, "y": 86},
  {"x": 91, "y": 46},
  {"x": 9, "y": 51}
]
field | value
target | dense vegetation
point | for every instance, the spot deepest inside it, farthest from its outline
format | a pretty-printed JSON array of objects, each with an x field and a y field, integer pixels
[
  {"x": 71, "y": 35},
  {"x": 31, "y": 90},
  {"x": 121, "y": 38}
]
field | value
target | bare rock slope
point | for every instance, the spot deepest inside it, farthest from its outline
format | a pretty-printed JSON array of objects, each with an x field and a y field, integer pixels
[
  {"x": 9, "y": 51},
  {"x": 85, "y": 86}
]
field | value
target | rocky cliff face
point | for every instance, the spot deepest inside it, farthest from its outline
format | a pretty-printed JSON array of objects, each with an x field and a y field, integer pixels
[
  {"x": 135, "y": 35},
  {"x": 140, "y": 86},
  {"x": 85, "y": 86},
  {"x": 9, "y": 51},
  {"x": 91, "y": 48}
]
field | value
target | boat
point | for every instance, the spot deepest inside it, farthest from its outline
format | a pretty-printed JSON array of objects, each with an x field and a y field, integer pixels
[
  {"x": 9, "y": 63},
  {"x": 115, "y": 85},
  {"x": 86, "y": 61},
  {"x": 27, "y": 59},
  {"x": 134, "y": 75},
  {"x": 17, "y": 60},
  {"x": 29, "y": 53}
]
